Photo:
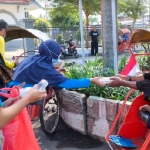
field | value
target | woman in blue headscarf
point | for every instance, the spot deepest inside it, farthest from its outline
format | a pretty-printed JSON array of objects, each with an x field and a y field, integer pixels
[{"x": 40, "y": 66}]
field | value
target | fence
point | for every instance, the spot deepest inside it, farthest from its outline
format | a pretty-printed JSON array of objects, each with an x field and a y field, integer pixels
[{"x": 73, "y": 32}]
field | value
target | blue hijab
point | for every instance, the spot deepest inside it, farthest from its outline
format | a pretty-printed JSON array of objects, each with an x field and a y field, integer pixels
[{"x": 40, "y": 66}]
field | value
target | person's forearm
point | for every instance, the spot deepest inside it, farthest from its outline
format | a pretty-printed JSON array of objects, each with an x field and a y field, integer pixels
[
  {"x": 137, "y": 78},
  {"x": 75, "y": 83},
  {"x": 129, "y": 84},
  {"x": 134, "y": 78},
  {"x": 7, "y": 114}
]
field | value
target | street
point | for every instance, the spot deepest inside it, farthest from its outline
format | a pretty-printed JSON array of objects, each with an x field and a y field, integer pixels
[{"x": 66, "y": 138}]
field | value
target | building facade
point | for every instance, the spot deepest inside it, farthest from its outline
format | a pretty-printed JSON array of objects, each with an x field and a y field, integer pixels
[{"x": 14, "y": 10}]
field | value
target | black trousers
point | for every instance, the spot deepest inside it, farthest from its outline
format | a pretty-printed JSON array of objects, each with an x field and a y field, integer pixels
[
  {"x": 2, "y": 85},
  {"x": 94, "y": 48}
]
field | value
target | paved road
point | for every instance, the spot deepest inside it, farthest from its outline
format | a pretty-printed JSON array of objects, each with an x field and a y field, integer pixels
[{"x": 67, "y": 139}]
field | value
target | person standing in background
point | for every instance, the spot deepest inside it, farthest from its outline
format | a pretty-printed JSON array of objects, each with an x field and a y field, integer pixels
[{"x": 94, "y": 41}]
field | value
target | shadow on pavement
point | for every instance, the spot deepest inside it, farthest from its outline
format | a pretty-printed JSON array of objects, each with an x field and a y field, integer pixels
[{"x": 66, "y": 138}]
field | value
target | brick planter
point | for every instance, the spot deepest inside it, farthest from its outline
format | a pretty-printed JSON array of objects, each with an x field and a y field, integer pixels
[
  {"x": 93, "y": 116},
  {"x": 73, "y": 110}
]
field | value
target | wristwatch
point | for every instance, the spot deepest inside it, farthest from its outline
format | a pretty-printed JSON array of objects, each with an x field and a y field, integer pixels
[{"x": 129, "y": 78}]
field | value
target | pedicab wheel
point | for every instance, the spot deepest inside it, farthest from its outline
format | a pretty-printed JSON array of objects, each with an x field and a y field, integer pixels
[
  {"x": 49, "y": 113},
  {"x": 76, "y": 55}
]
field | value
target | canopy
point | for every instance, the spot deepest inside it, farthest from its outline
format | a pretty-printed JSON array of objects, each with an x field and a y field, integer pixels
[
  {"x": 140, "y": 36},
  {"x": 16, "y": 32}
]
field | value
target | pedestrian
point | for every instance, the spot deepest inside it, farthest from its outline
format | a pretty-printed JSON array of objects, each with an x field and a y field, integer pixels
[{"x": 94, "y": 41}]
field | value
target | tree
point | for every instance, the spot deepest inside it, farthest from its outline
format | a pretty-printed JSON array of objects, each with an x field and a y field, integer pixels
[
  {"x": 93, "y": 19},
  {"x": 64, "y": 17},
  {"x": 132, "y": 8},
  {"x": 41, "y": 24},
  {"x": 89, "y": 8}
]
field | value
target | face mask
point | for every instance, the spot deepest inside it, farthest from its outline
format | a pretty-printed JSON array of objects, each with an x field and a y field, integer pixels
[{"x": 57, "y": 63}]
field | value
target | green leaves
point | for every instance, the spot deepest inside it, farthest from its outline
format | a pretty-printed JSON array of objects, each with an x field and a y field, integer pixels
[
  {"x": 132, "y": 8},
  {"x": 64, "y": 16},
  {"x": 94, "y": 69},
  {"x": 41, "y": 24}
]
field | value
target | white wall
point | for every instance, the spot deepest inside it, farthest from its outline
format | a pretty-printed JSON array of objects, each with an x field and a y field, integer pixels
[{"x": 18, "y": 13}]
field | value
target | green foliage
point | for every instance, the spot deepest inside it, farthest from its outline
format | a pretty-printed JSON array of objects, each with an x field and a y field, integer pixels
[
  {"x": 64, "y": 16},
  {"x": 93, "y": 19},
  {"x": 132, "y": 8},
  {"x": 122, "y": 63},
  {"x": 94, "y": 69},
  {"x": 41, "y": 24},
  {"x": 35, "y": 42},
  {"x": 144, "y": 62},
  {"x": 59, "y": 39},
  {"x": 89, "y": 7}
]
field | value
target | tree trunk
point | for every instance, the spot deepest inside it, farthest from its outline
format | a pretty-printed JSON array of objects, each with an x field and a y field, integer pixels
[
  {"x": 87, "y": 29},
  {"x": 107, "y": 33},
  {"x": 133, "y": 24}
]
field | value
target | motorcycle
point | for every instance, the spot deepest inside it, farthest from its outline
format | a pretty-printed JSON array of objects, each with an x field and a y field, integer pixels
[{"x": 71, "y": 50}]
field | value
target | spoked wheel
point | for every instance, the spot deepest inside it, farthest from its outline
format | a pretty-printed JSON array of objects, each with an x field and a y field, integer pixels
[{"x": 49, "y": 113}]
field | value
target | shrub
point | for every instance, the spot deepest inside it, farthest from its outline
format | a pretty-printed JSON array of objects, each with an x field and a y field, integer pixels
[
  {"x": 93, "y": 69},
  {"x": 59, "y": 39}
]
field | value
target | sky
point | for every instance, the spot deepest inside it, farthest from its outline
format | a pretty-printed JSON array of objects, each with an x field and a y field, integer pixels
[{"x": 38, "y": 12}]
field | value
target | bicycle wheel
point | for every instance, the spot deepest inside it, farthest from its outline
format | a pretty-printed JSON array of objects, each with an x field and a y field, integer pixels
[{"x": 49, "y": 113}]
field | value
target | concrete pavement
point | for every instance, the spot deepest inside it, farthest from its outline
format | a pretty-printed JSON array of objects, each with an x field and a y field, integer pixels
[{"x": 66, "y": 138}]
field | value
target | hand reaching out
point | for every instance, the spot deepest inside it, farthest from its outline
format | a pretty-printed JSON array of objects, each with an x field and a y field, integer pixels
[{"x": 34, "y": 95}]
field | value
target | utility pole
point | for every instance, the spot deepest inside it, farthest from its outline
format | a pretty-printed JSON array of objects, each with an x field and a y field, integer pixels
[
  {"x": 149, "y": 13},
  {"x": 81, "y": 31}
]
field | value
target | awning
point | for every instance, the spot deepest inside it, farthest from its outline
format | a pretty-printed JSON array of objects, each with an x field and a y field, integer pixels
[
  {"x": 16, "y": 32},
  {"x": 140, "y": 36}
]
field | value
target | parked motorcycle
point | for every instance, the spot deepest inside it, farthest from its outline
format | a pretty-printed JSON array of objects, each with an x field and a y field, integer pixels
[{"x": 71, "y": 50}]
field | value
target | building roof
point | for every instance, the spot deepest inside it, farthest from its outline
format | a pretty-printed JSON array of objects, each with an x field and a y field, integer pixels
[
  {"x": 21, "y": 2},
  {"x": 32, "y": 4}
]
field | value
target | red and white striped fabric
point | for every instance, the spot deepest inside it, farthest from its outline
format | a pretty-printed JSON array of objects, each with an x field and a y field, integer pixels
[{"x": 132, "y": 67}]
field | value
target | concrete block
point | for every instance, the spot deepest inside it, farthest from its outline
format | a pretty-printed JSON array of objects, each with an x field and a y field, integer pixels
[
  {"x": 73, "y": 110},
  {"x": 101, "y": 113}
]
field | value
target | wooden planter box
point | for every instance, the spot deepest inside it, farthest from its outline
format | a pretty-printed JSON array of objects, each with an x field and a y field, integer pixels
[{"x": 93, "y": 115}]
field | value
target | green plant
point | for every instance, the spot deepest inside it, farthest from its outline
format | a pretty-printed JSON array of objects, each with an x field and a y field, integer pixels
[
  {"x": 35, "y": 42},
  {"x": 41, "y": 24},
  {"x": 93, "y": 69},
  {"x": 59, "y": 39},
  {"x": 122, "y": 64}
]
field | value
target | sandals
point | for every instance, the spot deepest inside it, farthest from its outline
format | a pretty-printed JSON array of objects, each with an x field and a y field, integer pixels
[{"x": 120, "y": 141}]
